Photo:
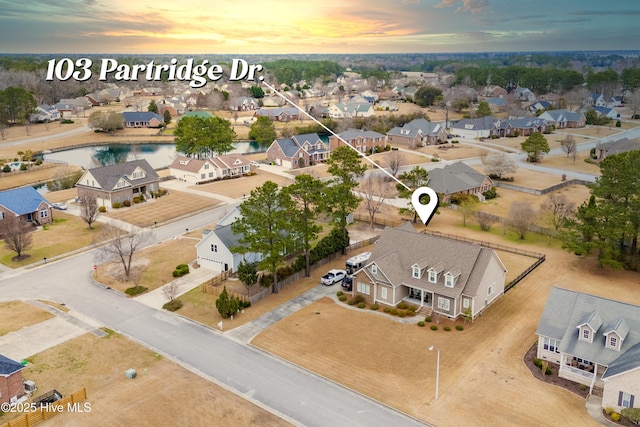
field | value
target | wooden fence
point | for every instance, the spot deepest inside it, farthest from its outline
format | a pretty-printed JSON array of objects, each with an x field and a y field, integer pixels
[
  {"x": 29, "y": 419},
  {"x": 540, "y": 192}
]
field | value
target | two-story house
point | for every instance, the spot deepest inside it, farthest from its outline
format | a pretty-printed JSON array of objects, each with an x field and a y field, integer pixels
[
  {"x": 451, "y": 277},
  {"x": 362, "y": 140},
  {"x": 119, "y": 182},
  {"x": 594, "y": 341},
  {"x": 298, "y": 151}
]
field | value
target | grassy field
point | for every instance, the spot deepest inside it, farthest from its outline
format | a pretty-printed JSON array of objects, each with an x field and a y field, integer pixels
[
  {"x": 171, "y": 206},
  {"x": 35, "y": 175},
  {"x": 15, "y": 315},
  {"x": 54, "y": 240},
  {"x": 236, "y": 188}
]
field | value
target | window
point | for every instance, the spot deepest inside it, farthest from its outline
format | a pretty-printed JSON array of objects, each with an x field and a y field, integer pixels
[
  {"x": 44, "y": 213},
  {"x": 625, "y": 400},
  {"x": 550, "y": 344},
  {"x": 433, "y": 277},
  {"x": 203, "y": 175},
  {"x": 210, "y": 174},
  {"x": 1, "y": 215},
  {"x": 585, "y": 334},
  {"x": 490, "y": 289},
  {"x": 374, "y": 269},
  {"x": 214, "y": 248},
  {"x": 465, "y": 303},
  {"x": 443, "y": 303},
  {"x": 613, "y": 341},
  {"x": 415, "y": 272},
  {"x": 206, "y": 165},
  {"x": 363, "y": 288},
  {"x": 383, "y": 293},
  {"x": 448, "y": 281}
]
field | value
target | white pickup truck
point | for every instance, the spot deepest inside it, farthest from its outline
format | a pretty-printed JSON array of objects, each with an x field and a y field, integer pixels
[{"x": 333, "y": 277}]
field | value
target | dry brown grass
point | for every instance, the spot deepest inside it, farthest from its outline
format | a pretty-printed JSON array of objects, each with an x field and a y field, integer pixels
[
  {"x": 15, "y": 315},
  {"x": 561, "y": 161},
  {"x": 452, "y": 151},
  {"x": 383, "y": 358},
  {"x": 236, "y": 188},
  {"x": 152, "y": 267},
  {"x": 35, "y": 175},
  {"x": 168, "y": 207},
  {"x": 158, "y": 396}
]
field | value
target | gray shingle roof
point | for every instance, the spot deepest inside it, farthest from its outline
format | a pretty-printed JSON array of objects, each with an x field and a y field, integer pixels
[
  {"x": 619, "y": 146},
  {"x": 455, "y": 178},
  {"x": 140, "y": 116},
  {"x": 565, "y": 310},
  {"x": 399, "y": 249},
  {"x": 350, "y": 134},
  {"x": 108, "y": 176},
  {"x": 415, "y": 128}
]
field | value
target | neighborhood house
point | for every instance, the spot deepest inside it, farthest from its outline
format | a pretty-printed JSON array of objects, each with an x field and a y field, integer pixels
[
  {"x": 362, "y": 140},
  {"x": 459, "y": 178},
  {"x": 593, "y": 341},
  {"x": 119, "y": 182},
  {"x": 197, "y": 171},
  {"x": 298, "y": 151},
  {"x": 451, "y": 278},
  {"x": 11, "y": 385},
  {"x": 27, "y": 203}
]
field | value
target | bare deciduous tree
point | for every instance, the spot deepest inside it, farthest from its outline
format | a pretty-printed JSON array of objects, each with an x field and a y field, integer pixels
[
  {"x": 485, "y": 220},
  {"x": 395, "y": 160},
  {"x": 556, "y": 209},
  {"x": 170, "y": 290},
  {"x": 522, "y": 218},
  {"x": 123, "y": 244},
  {"x": 89, "y": 209},
  {"x": 4, "y": 131},
  {"x": 568, "y": 145},
  {"x": 17, "y": 234},
  {"x": 374, "y": 192},
  {"x": 499, "y": 165}
]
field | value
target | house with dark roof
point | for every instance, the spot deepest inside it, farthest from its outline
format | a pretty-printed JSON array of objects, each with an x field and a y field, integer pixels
[
  {"x": 458, "y": 178},
  {"x": 539, "y": 106},
  {"x": 418, "y": 133},
  {"x": 119, "y": 182},
  {"x": 450, "y": 277},
  {"x": 281, "y": 114},
  {"x": 142, "y": 119},
  {"x": 298, "y": 151},
  {"x": 215, "y": 250},
  {"x": 351, "y": 109},
  {"x": 483, "y": 127},
  {"x": 11, "y": 385},
  {"x": 524, "y": 94},
  {"x": 604, "y": 149},
  {"x": 594, "y": 341},
  {"x": 527, "y": 125},
  {"x": 27, "y": 203},
  {"x": 561, "y": 119},
  {"x": 198, "y": 171},
  {"x": 362, "y": 140}
]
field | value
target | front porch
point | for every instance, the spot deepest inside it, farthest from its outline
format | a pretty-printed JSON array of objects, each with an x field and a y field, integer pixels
[
  {"x": 420, "y": 297},
  {"x": 581, "y": 371}
]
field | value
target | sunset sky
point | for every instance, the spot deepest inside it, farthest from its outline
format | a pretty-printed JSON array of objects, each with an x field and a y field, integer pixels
[{"x": 316, "y": 26}]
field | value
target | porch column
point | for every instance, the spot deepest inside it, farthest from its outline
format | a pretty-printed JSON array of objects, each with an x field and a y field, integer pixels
[{"x": 595, "y": 375}]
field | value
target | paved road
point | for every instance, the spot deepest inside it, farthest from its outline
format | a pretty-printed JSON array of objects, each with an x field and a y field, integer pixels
[{"x": 296, "y": 395}]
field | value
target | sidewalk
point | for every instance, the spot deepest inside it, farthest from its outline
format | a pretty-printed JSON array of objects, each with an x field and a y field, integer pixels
[{"x": 156, "y": 298}]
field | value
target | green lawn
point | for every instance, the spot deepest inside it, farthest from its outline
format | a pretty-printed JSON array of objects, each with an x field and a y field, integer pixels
[{"x": 66, "y": 233}]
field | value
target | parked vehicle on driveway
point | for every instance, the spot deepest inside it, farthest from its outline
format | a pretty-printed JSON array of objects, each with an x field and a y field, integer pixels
[
  {"x": 333, "y": 276},
  {"x": 355, "y": 263},
  {"x": 60, "y": 206}
]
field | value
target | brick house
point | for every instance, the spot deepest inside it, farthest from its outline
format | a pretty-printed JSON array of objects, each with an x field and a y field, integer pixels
[
  {"x": 119, "y": 182},
  {"x": 417, "y": 133},
  {"x": 142, "y": 119},
  {"x": 11, "y": 385},
  {"x": 27, "y": 203},
  {"x": 298, "y": 151},
  {"x": 362, "y": 140}
]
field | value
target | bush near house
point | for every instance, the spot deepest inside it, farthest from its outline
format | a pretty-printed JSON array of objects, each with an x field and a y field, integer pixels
[{"x": 181, "y": 270}]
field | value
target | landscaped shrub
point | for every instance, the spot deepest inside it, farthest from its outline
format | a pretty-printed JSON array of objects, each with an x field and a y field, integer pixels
[
  {"x": 246, "y": 304},
  {"x": 537, "y": 363},
  {"x": 352, "y": 301},
  {"x": 412, "y": 308},
  {"x": 102, "y": 209},
  {"x": 115, "y": 205},
  {"x": 136, "y": 199},
  {"x": 38, "y": 162},
  {"x": 6, "y": 168},
  {"x": 615, "y": 417},
  {"x": 459, "y": 327},
  {"x": 374, "y": 307},
  {"x": 362, "y": 305},
  {"x": 548, "y": 371},
  {"x": 402, "y": 313},
  {"x": 447, "y": 328},
  {"x": 402, "y": 305},
  {"x": 342, "y": 298},
  {"x": 173, "y": 305},
  {"x": 427, "y": 319},
  {"x": 181, "y": 270},
  {"x": 434, "y": 327},
  {"x": 387, "y": 310},
  {"x": 24, "y": 166},
  {"x": 434, "y": 160},
  {"x": 490, "y": 194},
  {"x": 394, "y": 312},
  {"x": 126, "y": 203},
  {"x": 136, "y": 290},
  {"x": 608, "y": 410},
  {"x": 421, "y": 324},
  {"x": 339, "y": 293}
]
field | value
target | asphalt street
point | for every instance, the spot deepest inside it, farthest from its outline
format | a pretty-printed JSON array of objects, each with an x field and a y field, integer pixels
[{"x": 296, "y": 395}]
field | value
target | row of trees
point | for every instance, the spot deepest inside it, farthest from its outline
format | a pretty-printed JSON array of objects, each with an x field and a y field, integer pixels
[
  {"x": 275, "y": 222},
  {"x": 16, "y": 105}
]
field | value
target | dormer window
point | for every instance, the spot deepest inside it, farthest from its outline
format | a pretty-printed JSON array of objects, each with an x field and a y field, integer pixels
[
  {"x": 206, "y": 165},
  {"x": 433, "y": 276},
  {"x": 613, "y": 342},
  {"x": 415, "y": 272},
  {"x": 586, "y": 334},
  {"x": 448, "y": 280},
  {"x": 374, "y": 269}
]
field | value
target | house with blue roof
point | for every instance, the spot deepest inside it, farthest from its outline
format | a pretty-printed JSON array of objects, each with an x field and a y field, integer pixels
[
  {"x": 27, "y": 203},
  {"x": 593, "y": 341},
  {"x": 142, "y": 119},
  {"x": 298, "y": 151},
  {"x": 11, "y": 385},
  {"x": 561, "y": 119}
]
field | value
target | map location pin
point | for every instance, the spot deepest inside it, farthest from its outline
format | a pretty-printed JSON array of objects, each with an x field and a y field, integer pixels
[{"x": 425, "y": 211}]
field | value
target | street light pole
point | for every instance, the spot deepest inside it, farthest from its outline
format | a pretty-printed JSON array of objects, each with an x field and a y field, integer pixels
[{"x": 437, "y": 368}]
